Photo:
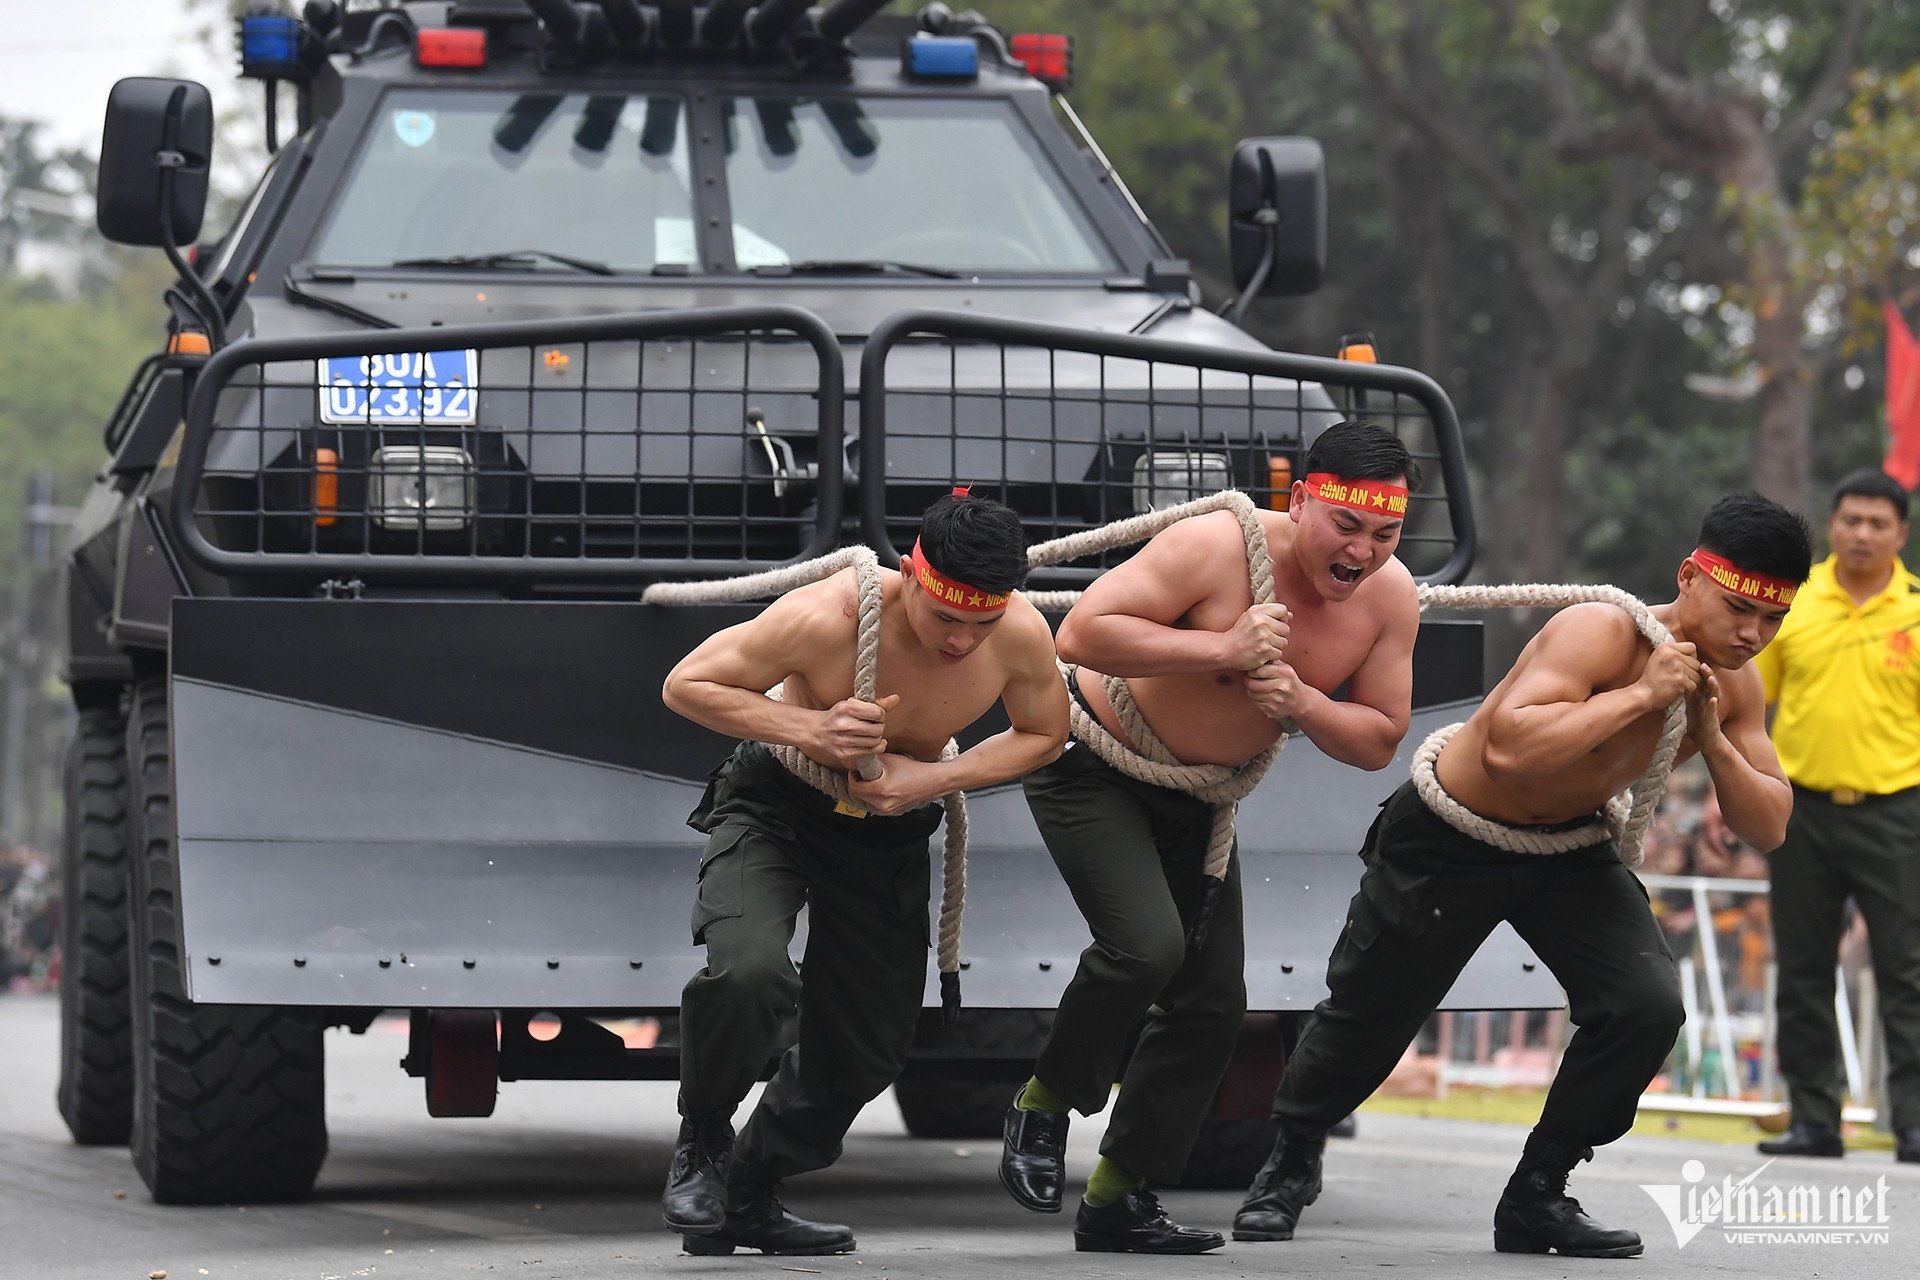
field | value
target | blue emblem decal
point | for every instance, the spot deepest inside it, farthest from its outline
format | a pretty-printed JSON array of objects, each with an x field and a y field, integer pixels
[{"x": 414, "y": 127}]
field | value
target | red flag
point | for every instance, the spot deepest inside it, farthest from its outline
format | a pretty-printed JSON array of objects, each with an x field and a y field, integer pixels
[{"x": 1903, "y": 400}]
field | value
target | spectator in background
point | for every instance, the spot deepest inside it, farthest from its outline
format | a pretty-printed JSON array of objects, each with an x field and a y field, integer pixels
[{"x": 1845, "y": 684}]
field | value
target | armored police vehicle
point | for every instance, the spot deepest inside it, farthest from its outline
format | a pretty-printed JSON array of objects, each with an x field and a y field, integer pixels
[{"x": 542, "y": 302}]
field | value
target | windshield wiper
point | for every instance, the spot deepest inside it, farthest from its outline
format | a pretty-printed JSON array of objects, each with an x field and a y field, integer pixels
[
  {"x": 506, "y": 258},
  {"x": 851, "y": 267}
]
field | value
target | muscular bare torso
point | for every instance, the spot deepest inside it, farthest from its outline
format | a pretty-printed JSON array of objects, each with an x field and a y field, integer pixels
[
  {"x": 937, "y": 699},
  {"x": 1206, "y": 717},
  {"x": 1585, "y": 785}
]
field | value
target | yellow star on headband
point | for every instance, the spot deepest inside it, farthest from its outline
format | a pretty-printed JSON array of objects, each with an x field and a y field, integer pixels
[
  {"x": 1379, "y": 499},
  {"x": 1773, "y": 593},
  {"x": 974, "y": 599}
]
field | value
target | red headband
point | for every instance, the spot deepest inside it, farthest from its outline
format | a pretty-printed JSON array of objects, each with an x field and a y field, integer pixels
[
  {"x": 951, "y": 592},
  {"x": 1754, "y": 586},
  {"x": 1376, "y": 496}
]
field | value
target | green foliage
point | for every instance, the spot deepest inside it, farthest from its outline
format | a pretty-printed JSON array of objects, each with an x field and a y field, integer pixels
[
  {"x": 1861, "y": 202},
  {"x": 67, "y": 361}
]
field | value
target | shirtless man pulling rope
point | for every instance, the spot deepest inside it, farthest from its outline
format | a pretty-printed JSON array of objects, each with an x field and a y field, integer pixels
[
  {"x": 1576, "y": 720},
  {"x": 1215, "y": 669}
]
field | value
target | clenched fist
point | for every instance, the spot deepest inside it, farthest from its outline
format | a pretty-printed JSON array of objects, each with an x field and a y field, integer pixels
[
  {"x": 1672, "y": 672},
  {"x": 851, "y": 729},
  {"x": 1258, "y": 637}
]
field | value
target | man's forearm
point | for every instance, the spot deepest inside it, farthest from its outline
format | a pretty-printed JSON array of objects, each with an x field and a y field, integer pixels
[
  {"x": 1009, "y": 754},
  {"x": 1351, "y": 732},
  {"x": 742, "y": 713},
  {"x": 1120, "y": 645},
  {"x": 1756, "y": 806},
  {"x": 1549, "y": 738}
]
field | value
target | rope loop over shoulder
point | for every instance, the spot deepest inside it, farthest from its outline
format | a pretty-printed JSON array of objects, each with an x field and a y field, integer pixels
[{"x": 1627, "y": 815}]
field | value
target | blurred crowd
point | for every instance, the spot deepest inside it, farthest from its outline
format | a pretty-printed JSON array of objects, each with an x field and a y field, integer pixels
[
  {"x": 29, "y": 920},
  {"x": 1690, "y": 838}
]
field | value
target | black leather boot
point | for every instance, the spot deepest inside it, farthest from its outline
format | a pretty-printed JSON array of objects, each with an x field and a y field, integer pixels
[
  {"x": 1803, "y": 1139},
  {"x": 695, "y": 1201},
  {"x": 1135, "y": 1223},
  {"x": 1287, "y": 1183},
  {"x": 1032, "y": 1157},
  {"x": 1536, "y": 1215},
  {"x": 757, "y": 1220}
]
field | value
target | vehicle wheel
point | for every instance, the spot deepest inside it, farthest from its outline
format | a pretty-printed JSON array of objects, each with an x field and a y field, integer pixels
[
  {"x": 1238, "y": 1136},
  {"x": 228, "y": 1100},
  {"x": 96, "y": 1059},
  {"x": 1228, "y": 1153},
  {"x": 969, "y": 1108}
]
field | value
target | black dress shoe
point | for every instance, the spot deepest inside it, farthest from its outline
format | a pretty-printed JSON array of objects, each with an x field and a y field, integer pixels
[
  {"x": 1032, "y": 1155},
  {"x": 1803, "y": 1139},
  {"x": 1287, "y": 1183},
  {"x": 1536, "y": 1215},
  {"x": 1907, "y": 1145},
  {"x": 757, "y": 1220},
  {"x": 695, "y": 1201},
  {"x": 1135, "y": 1223}
]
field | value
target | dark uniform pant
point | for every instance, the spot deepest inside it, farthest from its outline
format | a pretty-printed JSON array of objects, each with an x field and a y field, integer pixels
[
  {"x": 1133, "y": 856},
  {"x": 774, "y": 844},
  {"x": 1428, "y": 899},
  {"x": 1871, "y": 853}
]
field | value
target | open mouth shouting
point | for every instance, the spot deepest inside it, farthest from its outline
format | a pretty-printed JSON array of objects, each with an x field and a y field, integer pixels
[{"x": 1345, "y": 574}]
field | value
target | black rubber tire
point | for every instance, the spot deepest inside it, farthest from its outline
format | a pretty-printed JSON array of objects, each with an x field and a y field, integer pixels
[
  {"x": 96, "y": 1054},
  {"x": 229, "y": 1101},
  {"x": 1228, "y": 1153},
  {"x": 969, "y": 1108}
]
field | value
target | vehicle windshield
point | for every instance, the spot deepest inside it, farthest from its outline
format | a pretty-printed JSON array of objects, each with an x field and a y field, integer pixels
[
  {"x": 474, "y": 179},
  {"x": 600, "y": 178},
  {"x": 953, "y": 183}
]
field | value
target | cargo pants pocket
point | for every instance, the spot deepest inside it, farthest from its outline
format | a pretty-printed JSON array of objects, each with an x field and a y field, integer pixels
[{"x": 721, "y": 893}]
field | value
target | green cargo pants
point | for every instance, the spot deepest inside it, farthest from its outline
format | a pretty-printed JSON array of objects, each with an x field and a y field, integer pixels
[
  {"x": 1132, "y": 854},
  {"x": 774, "y": 844},
  {"x": 1428, "y": 898},
  {"x": 1871, "y": 853}
]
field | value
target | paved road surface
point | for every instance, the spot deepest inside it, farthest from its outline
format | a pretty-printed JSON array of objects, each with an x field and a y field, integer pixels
[{"x": 564, "y": 1181}]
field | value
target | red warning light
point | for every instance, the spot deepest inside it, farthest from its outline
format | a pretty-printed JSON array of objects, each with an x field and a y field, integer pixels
[
  {"x": 450, "y": 47},
  {"x": 1048, "y": 58}
]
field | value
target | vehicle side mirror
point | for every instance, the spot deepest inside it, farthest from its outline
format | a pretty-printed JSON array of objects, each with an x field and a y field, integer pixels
[
  {"x": 154, "y": 157},
  {"x": 1277, "y": 202}
]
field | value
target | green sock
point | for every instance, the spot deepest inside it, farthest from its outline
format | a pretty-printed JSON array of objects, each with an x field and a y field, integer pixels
[
  {"x": 1109, "y": 1182},
  {"x": 1037, "y": 1097}
]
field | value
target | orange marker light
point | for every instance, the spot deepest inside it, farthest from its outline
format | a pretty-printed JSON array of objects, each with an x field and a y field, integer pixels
[
  {"x": 189, "y": 342},
  {"x": 1280, "y": 481},
  {"x": 326, "y": 486},
  {"x": 1359, "y": 350}
]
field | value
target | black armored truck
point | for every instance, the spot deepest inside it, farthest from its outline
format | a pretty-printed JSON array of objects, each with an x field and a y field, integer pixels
[{"x": 542, "y": 302}]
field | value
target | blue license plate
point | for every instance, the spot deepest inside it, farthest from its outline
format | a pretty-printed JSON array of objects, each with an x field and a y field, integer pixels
[{"x": 428, "y": 387}]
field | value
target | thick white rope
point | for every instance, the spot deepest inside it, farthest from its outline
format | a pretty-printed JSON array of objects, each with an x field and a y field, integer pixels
[
  {"x": 1625, "y": 819},
  {"x": 832, "y": 782}
]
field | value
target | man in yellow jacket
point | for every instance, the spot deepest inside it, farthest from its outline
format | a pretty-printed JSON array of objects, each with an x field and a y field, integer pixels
[{"x": 1844, "y": 681}]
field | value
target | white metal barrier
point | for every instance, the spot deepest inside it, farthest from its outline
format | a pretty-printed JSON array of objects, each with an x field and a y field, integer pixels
[{"x": 1729, "y": 1039}]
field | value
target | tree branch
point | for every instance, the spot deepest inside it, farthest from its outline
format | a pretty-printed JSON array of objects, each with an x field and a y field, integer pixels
[
  {"x": 1622, "y": 59},
  {"x": 1440, "y": 124},
  {"x": 1829, "y": 87}
]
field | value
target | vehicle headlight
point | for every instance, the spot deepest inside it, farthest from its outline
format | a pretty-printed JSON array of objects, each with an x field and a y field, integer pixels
[
  {"x": 1167, "y": 477},
  {"x": 421, "y": 487}
]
